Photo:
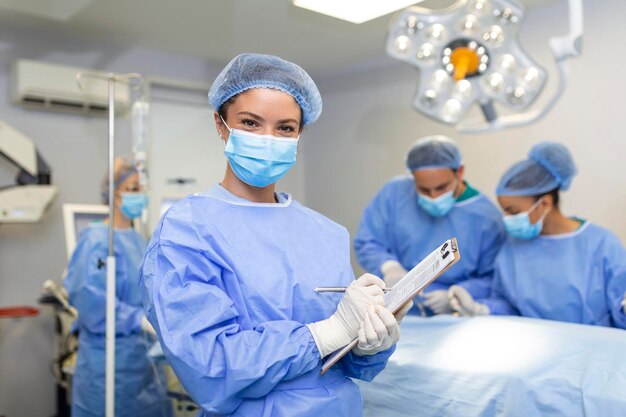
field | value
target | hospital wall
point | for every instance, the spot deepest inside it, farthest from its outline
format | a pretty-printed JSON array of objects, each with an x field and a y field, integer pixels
[{"x": 368, "y": 124}]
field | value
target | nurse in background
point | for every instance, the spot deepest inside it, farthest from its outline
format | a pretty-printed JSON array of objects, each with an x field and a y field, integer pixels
[
  {"x": 412, "y": 215},
  {"x": 552, "y": 266},
  {"x": 140, "y": 387}
]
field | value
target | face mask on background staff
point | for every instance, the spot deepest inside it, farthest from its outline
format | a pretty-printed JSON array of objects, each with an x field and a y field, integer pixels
[
  {"x": 439, "y": 206},
  {"x": 133, "y": 204},
  {"x": 519, "y": 225}
]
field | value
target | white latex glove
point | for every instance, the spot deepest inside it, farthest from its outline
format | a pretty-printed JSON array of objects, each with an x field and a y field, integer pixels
[
  {"x": 463, "y": 303},
  {"x": 438, "y": 301},
  {"x": 343, "y": 326},
  {"x": 378, "y": 332},
  {"x": 393, "y": 272},
  {"x": 147, "y": 327},
  {"x": 624, "y": 303}
]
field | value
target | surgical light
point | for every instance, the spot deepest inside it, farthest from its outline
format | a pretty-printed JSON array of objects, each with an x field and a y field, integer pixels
[{"x": 468, "y": 55}]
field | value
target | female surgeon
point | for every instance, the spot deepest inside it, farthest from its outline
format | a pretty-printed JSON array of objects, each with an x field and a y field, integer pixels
[
  {"x": 552, "y": 266},
  {"x": 139, "y": 389},
  {"x": 229, "y": 276}
]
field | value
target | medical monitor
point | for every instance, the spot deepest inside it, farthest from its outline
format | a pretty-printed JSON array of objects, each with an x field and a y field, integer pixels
[{"x": 78, "y": 216}]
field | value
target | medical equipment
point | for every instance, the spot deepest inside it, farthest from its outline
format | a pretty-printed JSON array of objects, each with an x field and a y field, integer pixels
[
  {"x": 135, "y": 82},
  {"x": 78, "y": 216},
  {"x": 26, "y": 201},
  {"x": 414, "y": 282},
  {"x": 140, "y": 138},
  {"x": 60, "y": 296},
  {"x": 468, "y": 54},
  {"x": 500, "y": 367}
]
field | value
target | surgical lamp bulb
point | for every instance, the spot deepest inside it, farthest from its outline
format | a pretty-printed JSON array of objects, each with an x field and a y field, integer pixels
[
  {"x": 413, "y": 25},
  {"x": 426, "y": 52},
  {"x": 480, "y": 7},
  {"x": 495, "y": 82},
  {"x": 494, "y": 36},
  {"x": 403, "y": 44},
  {"x": 469, "y": 24},
  {"x": 440, "y": 81},
  {"x": 516, "y": 95},
  {"x": 437, "y": 33},
  {"x": 430, "y": 99},
  {"x": 529, "y": 77},
  {"x": 462, "y": 90},
  {"x": 506, "y": 63},
  {"x": 451, "y": 110}
]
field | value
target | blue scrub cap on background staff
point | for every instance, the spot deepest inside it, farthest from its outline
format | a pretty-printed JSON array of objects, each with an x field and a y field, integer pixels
[
  {"x": 248, "y": 71},
  {"x": 549, "y": 166},
  {"x": 122, "y": 170},
  {"x": 433, "y": 152}
]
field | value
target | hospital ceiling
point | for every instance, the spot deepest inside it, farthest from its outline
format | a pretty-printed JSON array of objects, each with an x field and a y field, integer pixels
[{"x": 214, "y": 29}]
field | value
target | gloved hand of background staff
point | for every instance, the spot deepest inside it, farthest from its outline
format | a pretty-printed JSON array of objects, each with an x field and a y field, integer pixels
[
  {"x": 343, "y": 326},
  {"x": 438, "y": 301},
  {"x": 380, "y": 330},
  {"x": 463, "y": 303},
  {"x": 393, "y": 272}
]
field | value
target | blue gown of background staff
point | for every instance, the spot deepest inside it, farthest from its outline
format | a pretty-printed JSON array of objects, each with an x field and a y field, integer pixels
[
  {"x": 138, "y": 391},
  {"x": 579, "y": 277},
  {"x": 394, "y": 227},
  {"x": 229, "y": 286}
]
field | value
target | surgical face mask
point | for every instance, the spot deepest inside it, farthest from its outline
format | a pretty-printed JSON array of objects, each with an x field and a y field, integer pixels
[
  {"x": 520, "y": 227},
  {"x": 133, "y": 204},
  {"x": 259, "y": 160},
  {"x": 439, "y": 206}
]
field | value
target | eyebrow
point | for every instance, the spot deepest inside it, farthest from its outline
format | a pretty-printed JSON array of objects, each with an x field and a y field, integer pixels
[
  {"x": 259, "y": 118},
  {"x": 443, "y": 185},
  {"x": 254, "y": 116}
]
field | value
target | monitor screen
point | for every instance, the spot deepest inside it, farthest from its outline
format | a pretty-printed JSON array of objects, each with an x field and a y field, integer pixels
[{"x": 77, "y": 217}]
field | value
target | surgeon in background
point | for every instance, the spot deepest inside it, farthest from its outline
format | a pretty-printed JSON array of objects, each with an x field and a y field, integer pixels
[
  {"x": 139, "y": 389},
  {"x": 552, "y": 266},
  {"x": 229, "y": 276},
  {"x": 412, "y": 215}
]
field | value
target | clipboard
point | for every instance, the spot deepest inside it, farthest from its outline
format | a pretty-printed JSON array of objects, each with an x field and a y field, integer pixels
[{"x": 418, "y": 278}]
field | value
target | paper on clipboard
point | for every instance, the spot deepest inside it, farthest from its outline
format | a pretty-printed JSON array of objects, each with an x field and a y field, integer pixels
[{"x": 418, "y": 278}]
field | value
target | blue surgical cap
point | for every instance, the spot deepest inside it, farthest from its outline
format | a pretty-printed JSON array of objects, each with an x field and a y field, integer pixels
[
  {"x": 248, "y": 71},
  {"x": 549, "y": 166},
  {"x": 123, "y": 168},
  {"x": 432, "y": 152}
]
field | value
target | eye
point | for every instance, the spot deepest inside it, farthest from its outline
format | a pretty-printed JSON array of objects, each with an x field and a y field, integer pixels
[
  {"x": 287, "y": 130},
  {"x": 249, "y": 123}
]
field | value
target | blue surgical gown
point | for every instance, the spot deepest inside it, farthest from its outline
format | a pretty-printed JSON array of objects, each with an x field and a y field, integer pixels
[
  {"x": 578, "y": 277},
  {"x": 139, "y": 388},
  {"x": 394, "y": 227},
  {"x": 229, "y": 286}
]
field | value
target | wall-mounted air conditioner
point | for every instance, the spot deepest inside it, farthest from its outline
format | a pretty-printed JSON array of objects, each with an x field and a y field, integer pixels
[{"x": 44, "y": 86}]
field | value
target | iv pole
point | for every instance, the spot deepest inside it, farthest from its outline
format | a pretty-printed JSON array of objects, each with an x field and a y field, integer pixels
[{"x": 135, "y": 81}]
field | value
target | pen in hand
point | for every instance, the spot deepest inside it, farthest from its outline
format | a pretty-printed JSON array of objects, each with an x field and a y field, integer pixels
[{"x": 340, "y": 289}]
